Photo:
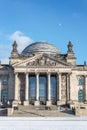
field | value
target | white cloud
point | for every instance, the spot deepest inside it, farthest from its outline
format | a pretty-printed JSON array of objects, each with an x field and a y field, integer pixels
[
  {"x": 21, "y": 39},
  {"x": 4, "y": 61}
]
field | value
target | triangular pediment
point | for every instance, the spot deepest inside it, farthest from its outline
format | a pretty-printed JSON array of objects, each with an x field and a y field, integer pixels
[{"x": 41, "y": 61}]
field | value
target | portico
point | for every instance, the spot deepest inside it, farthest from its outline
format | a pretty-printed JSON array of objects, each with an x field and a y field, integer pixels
[{"x": 43, "y": 90}]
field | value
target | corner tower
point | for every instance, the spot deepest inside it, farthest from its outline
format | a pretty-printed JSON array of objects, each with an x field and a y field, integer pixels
[{"x": 70, "y": 54}]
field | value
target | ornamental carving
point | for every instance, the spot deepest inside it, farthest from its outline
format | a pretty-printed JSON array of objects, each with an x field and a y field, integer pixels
[{"x": 43, "y": 61}]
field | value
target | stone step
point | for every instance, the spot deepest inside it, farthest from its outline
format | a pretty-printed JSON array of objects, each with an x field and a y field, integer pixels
[{"x": 41, "y": 107}]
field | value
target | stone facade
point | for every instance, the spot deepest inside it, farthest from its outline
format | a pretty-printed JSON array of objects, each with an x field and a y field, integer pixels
[{"x": 37, "y": 59}]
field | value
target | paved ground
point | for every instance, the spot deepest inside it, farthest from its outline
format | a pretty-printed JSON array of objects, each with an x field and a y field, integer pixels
[{"x": 43, "y": 123}]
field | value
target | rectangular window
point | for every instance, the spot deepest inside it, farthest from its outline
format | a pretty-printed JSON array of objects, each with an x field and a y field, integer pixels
[
  {"x": 81, "y": 80},
  {"x": 4, "y": 82}
]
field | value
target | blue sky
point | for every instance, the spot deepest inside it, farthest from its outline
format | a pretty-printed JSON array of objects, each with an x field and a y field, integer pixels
[{"x": 54, "y": 21}]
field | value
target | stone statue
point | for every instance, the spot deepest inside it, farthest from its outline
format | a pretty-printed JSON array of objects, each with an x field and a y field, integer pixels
[
  {"x": 70, "y": 46},
  {"x": 14, "y": 46},
  {"x": 14, "y": 52}
]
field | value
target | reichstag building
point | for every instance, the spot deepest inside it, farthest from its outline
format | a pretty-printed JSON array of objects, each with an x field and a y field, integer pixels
[{"x": 41, "y": 75}]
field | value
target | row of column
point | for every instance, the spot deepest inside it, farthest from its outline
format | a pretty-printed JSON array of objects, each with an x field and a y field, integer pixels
[{"x": 37, "y": 87}]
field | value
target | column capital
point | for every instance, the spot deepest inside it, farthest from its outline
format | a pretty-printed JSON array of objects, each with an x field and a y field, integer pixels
[
  {"x": 37, "y": 73},
  {"x": 16, "y": 73},
  {"x": 68, "y": 74},
  {"x": 85, "y": 76},
  {"x": 48, "y": 73},
  {"x": 59, "y": 73},
  {"x": 26, "y": 73}
]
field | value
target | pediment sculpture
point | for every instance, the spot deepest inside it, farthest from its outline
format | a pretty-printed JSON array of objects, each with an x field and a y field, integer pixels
[{"x": 43, "y": 61}]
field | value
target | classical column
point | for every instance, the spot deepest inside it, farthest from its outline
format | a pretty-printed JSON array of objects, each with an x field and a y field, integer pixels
[
  {"x": 9, "y": 84},
  {"x": 48, "y": 103},
  {"x": 68, "y": 88},
  {"x": 15, "y": 102},
  {"x": 49, "y": 94},
  {"x": 0, "y": 89},
  {"x": 26, "y": 102},
  {"x": 59, "y": 88},
  {"x": 37, "y": 103},
  {"x": 37, "y": 86},
  {"x": 85, "y": 89},
  {"x": 16, "y": 87}
]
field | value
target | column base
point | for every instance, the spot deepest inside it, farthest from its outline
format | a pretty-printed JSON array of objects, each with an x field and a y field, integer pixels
[
  {"x": 73, "y": 104},
  {"x": 15, "y": 103},
  {"x": 85, "y": 102},
  {"x": 1, "y": 104},
  {"x": 48, "y": 103},
  {"x": 61, "y": 102},
  {"x": 19, "y": 102},
  {"x": 26, "y": 103},
  {"x": 36, "y": 103}
]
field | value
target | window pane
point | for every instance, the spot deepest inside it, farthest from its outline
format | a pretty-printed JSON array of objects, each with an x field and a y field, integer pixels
[
  {"x": 53, "y": 89},
  {"x": 32, "y": 88},
  {"x": 4, "y": 95},
  {"x": 81, "y": 81},
  {"x": 42, "y": 88},
  {"x": 80, "y": 96},
  {"x": 4, "y": 82}
]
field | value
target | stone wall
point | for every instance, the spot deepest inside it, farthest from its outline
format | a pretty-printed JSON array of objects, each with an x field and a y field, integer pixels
[
  {"x": 22, "y": 87},
  {"x": 63, "y": 87},
  {"x": 73, "y": 86}
]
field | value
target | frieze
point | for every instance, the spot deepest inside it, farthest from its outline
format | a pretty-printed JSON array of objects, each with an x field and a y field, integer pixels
[{"x": 42, "y": 62}]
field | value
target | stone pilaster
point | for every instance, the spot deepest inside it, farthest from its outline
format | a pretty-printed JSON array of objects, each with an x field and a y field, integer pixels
[
  {"x": 68, "y": 88},
  {"x": 48, "y": 102},
  {"x": 37, "y": 102},
  {"x": 26, "y": 102}
]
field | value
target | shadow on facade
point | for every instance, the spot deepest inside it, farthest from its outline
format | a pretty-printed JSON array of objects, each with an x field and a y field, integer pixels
[{"x": 3, "y": 112}]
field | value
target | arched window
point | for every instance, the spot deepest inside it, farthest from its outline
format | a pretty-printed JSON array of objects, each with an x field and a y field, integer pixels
[{"x": 80, "y": 95}]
